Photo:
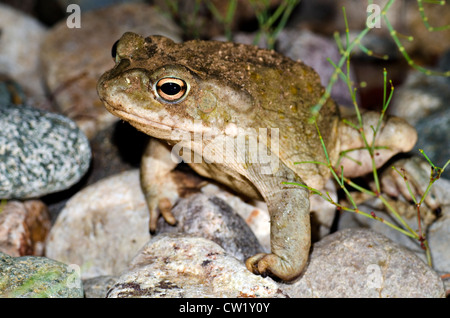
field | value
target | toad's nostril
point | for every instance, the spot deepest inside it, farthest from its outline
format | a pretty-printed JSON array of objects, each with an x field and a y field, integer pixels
[{"x": 114, "y": 49}]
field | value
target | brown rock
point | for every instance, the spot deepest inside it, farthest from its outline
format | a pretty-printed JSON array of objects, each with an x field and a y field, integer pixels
[{"x": 23, "y": 228}]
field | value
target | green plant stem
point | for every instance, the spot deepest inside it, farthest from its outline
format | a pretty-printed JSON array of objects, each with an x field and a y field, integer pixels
[
  {"x": 267, "y": 22},
  {"x": 354, "y": 210},
  {"x": 425, "y": 18},
  {"x": 226, "y": 20}
]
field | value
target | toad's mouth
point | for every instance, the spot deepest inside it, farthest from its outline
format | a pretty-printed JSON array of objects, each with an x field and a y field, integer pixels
[{"x": 185, "y": 126}]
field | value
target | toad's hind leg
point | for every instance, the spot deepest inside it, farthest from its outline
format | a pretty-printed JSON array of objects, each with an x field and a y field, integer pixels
[{"x": 290, "y": 233}]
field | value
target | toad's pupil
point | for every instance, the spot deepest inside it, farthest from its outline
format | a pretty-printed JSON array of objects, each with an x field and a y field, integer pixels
[{"x": 170, "y": 88}]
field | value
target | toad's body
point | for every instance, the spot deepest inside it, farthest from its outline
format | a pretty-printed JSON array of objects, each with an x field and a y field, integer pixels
[{"x": 203, "y": 96}]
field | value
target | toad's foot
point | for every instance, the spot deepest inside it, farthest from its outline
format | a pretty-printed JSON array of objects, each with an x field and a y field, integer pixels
[
  {"x": 272, "y": 265},
  {"x": 290, "y": 235}
]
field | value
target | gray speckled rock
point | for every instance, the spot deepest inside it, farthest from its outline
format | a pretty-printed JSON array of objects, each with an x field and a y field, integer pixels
[
  {"x": 40, "y": 152},
  {"x": 180, "y": 266},
  {"x": 37, "y": 277},
  {"x": 362, "y": 263}
]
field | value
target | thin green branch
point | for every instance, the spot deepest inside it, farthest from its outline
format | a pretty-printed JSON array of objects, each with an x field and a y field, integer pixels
[{"x": 425, "y": 18}]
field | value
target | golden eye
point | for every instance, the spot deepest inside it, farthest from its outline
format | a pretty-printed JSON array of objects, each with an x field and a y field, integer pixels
[{"x": 171, "y": 89}]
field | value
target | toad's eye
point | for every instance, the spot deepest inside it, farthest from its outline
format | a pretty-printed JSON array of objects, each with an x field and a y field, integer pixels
[{"x": 171, "y": 89}]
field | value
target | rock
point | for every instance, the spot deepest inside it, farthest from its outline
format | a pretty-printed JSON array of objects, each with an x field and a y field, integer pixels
[
  {"x": 257, "y": 217},
  {"x": 314, "y": 50},
  {"x": 97, "y": 287},
  {"x": 24, "y": 227},
  {"x": 439, "y": 232},
  {"x": 40, "y": 153},
  {"x": 110, "y": 218},
  {"x": 361, "y": 263},
  {"x": 10, "y": 91},
  {"x": 74, "y": 59},
  {"x": 20, "y": 40},
  {"x": 423, "y": 101},
  {"x": 180, "y": 266},
  {"x": 115, "y": 149},
  {"x": 433, "y": 140},
  {"x": 102, "y": 227},
  {"x": 355, "y": 221},
  {"x": 254, "y": 213},
  {"x": 435, "y": 228},
  {"x": 210, "y": 217},
  {"x": 37, "y": 277},
  {"x": 438, "y": 239},
  {"x": 419, "y": 96}
]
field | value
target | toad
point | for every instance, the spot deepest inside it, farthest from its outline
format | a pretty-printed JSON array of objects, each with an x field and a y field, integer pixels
[{"x": 241, "y": 116}]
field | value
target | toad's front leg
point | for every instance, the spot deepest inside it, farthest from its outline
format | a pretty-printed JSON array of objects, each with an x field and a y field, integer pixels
[
  {"x": 290, "y": 232},
  {"x": 159, "y": 190}
]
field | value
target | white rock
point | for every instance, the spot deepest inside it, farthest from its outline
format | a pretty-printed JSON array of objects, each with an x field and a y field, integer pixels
[
  {"x": 20, "y": 40},
  {"x": 102, "y": 227}
]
